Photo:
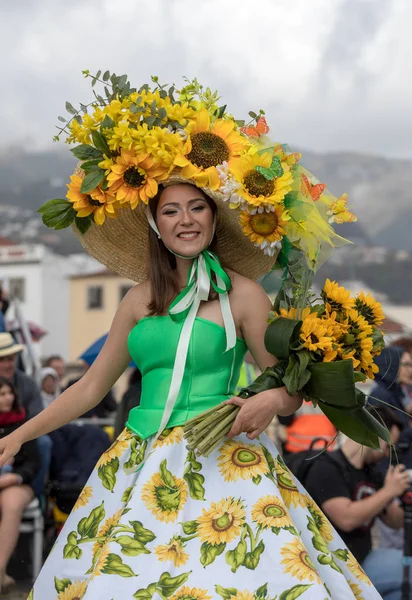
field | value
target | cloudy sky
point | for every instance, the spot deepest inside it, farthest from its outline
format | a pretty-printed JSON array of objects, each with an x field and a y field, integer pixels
[{"x": 331, "y": 74}]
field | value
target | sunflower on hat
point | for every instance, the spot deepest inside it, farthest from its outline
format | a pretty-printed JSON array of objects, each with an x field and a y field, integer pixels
[{"x": 130, "y": 141}]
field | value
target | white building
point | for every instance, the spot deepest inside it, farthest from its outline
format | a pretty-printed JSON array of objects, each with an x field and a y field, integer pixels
[{"x": 39, "y": 279}]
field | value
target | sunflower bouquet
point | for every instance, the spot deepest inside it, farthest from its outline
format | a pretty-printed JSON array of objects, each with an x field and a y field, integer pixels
[{"x": 323, "y": 350}]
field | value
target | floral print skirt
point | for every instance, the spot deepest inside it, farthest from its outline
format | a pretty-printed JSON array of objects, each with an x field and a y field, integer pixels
[{"x": 159, "y": 522}]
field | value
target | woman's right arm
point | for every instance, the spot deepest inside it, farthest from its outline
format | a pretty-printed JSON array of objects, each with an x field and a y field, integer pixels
[{"x": 92, "y": 387}]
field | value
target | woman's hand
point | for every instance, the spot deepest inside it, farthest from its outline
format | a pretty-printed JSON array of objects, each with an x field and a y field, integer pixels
[
  {"x": 255, "y": 414},
  {"x": 9, "y": 446},
  {"x": 9, "y": 479}
]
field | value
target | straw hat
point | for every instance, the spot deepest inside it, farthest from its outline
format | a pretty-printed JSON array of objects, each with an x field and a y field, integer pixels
[
  {"x": 135, "y": 141},
  {"x": 122, "y": 244},
  {"x": 8, "y": 346}
]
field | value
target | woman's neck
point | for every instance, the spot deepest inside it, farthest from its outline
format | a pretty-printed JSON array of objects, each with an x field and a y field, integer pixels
[{"x": 183, "y": 266}]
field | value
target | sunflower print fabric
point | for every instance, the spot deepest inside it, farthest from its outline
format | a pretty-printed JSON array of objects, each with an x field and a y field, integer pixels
[{"x": 161, "y": 523}]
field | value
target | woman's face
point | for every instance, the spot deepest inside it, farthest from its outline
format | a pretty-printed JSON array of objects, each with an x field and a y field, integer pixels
[
  {"x": 184, "y": 219},
  {"x": 6, "y": 398},
  {"x": 49, "y": 385},
  {"x": 405, "y": 369}
]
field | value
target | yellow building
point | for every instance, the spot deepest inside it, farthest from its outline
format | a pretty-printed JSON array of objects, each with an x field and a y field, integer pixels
[{"x": 94, "y": 299}]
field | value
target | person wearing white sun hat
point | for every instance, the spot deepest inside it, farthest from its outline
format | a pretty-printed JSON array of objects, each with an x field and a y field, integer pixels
[{"x": 175, "y": 194}]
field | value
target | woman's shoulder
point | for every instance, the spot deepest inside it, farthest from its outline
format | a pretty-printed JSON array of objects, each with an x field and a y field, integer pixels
[
  {"x": 244, "y": 286},
  {"x": 138, "y": 298}
]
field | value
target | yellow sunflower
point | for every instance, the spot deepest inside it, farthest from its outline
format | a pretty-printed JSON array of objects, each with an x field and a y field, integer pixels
[
  {"x": 74, "y": 591},
  {"x": 173, "y": 552},
  {"x": 270, "y": 511},
  {"x": 162, "y": 500},
  {"x": 119, "y": 446},
  {"x": 314, "y": 334},
  {"x": 187, "y": 593},
  {"x": 298, "y": 562},
  {"x": 106, "y": 529},
  {"x": 356, "y": 570},
  {"x": 100, "y": 203},
  {"x": 295, "y": 313},
  {"x": 357, "y": 592},
  {"x": 85, "y": 495},
  {"x": 321, "y": 522},
  {"x": 101, "y": 561},
  {"x": 245, "y": 595},
  {"x": 208, "y": 146},
  {"x": 134, "y": 178},
  {"x": 264, "y": 229},
  {"x": 169, "y": 437},
  {"x": 287, "y": 487},
  {"x": 241, "y": 461},
  {"x": 254, "y": 188},
  {"x": 369, "y": 309},
  {"x": 336, "y": 297},
  {"x": 223, "y": 521}
]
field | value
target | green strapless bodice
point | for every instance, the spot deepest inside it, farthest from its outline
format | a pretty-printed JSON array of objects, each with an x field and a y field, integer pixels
[{"x": 210, "y": 376}]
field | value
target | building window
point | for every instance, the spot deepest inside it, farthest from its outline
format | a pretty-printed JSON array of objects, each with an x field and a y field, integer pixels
[
  {"x": 17, "y": 288},
  {"x": 94, "y": 297},
  {"x": 123, "y": 291}
]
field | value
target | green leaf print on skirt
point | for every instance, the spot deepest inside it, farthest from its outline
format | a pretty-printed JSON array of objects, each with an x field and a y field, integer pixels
[
  {"x": 165, "y": 587},
  {"x": 193, "y": 478}
]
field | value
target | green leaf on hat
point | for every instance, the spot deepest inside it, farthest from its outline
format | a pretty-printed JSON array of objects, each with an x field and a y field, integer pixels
[
  {"x": 91, "y": 181},
  {"x": 107, "y": 123},
  {"x": 100, "y": 142},
  {"x": 91, "y": 165},
  {"x": 83, "y": 223},
  {"x": 57, "y": 213},
  {"x": 86, "y": 152},
  {"x": 70, "y": 108}
]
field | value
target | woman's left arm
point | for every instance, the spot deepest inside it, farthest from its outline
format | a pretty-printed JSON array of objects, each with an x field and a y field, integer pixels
[{"x": 257, "y": 412}]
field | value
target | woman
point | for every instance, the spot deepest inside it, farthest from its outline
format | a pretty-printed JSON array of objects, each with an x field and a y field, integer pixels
[
  {"x": 49, "y": 381},
  {"x": 16, "y": 478},
  {"x": 156, "y": 521}
]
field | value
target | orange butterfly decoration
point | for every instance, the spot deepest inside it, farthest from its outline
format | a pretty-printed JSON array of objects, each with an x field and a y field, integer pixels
[
  {"x": 313, "y": 190},
  {"x": 339, "y": 212},
  {"x": 289, "y": 159},
  {"x": 255, "y": 131}
]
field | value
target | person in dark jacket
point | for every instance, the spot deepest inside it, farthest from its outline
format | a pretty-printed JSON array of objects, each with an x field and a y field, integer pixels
[
  {"x": 16, "y": 478},
  {"x": 389, "y": 389},
  {"x": 29, "y": 398}
]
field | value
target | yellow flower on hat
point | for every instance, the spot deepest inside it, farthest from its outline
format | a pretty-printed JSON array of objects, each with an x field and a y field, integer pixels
[
  {"x": 134, "y": 178},
  {"x": 264, "y": 229},
  {"x": 208, "y": 146},
  {"x": 100, "y": 203},
  {"x": 255, "y": 188}
]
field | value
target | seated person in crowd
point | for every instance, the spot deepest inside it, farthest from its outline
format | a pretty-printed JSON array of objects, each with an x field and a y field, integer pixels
[
  {"x": 29, "y": 398},
  {"x": 56, "y": 362},
  {"x": 49, "y": 383},
  {"x": 16, "y": 479},
  {"x": 351, "y": 493},
  {"x": 104, "y": 409}
]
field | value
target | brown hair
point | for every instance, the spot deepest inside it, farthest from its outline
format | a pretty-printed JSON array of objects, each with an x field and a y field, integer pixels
[
  {"x": 3, "y": 382},
  {"x": 162, "y": 264}
]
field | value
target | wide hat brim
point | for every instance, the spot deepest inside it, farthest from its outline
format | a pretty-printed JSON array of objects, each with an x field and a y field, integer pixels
[
  {"x": 121, "y": 243},
  {"x": 14, "y": 349}
]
